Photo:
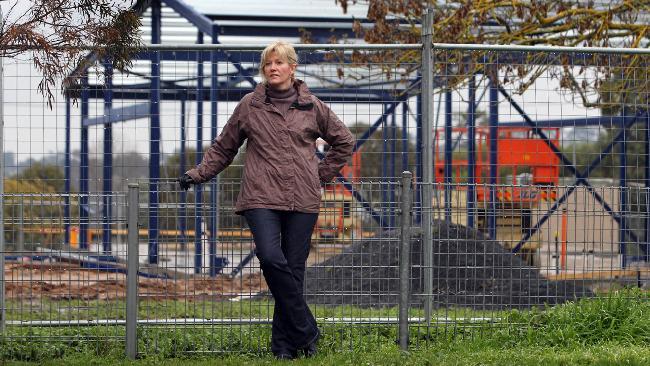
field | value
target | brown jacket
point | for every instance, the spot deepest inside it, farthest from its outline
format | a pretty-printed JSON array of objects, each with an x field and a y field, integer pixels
[{"x": 281, "y": 169}]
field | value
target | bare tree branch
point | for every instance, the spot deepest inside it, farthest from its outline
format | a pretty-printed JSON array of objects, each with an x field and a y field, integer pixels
[
  {"x": 525, "y": 22},
  {"x": 56, "y": 34}
]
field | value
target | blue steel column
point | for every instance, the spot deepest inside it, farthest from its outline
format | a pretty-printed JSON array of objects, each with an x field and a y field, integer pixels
[
  {"x": 384, "y": 168},
  {"x": 154, "y": 139},
  {"x": 405, "y": 141},
  {"x": 471, "y": 153},
  {"x": 393, "y": 152},
  {"x": 623, "y": 195},
  {"x": 198, "y": 223},
  {"x": 494, "y": 171},
  {"x": 182, "y": 211},
  {"x": 647, "y": 186},
  {"x": 214, "y": 193},
  {"x": 66, "y": 172},
  {"x": 448, "y": 154},
  {"x": 83, "y": 168},
  {"x": 108, "y": 160}
]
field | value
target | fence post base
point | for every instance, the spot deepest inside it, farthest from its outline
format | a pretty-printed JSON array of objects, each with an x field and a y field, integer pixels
[
  {"x": 132, "y": 272},
  {"x": 405, "y": 260}
]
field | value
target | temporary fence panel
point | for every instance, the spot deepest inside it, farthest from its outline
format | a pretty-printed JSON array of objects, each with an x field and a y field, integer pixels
[{"x": 535, "y": 193}]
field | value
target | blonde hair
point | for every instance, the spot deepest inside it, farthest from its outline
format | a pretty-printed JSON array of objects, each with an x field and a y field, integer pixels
[{"x": 285, "y": 52}]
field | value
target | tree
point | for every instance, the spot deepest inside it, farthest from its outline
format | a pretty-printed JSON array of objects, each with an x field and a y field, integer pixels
[
  {"x": 618, "y": 23},
  {"x": 59, "y": 33},
  {"x": 47, "y": 176}
]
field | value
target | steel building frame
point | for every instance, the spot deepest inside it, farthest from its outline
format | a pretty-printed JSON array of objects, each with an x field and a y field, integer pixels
[{"x": 321, "y": 29}]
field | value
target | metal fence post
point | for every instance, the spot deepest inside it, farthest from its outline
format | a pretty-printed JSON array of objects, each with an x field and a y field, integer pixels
[
  {"x": 2, "y": 196},
  {"x": 132, "y": 272},
  {"x": 405, "y": 260},
  {"x": 427, "y": 158}
]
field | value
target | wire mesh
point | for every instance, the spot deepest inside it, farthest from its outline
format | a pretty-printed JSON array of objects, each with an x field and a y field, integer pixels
[
  {"x": 540, "y": 190},
  {"x": 53, "y": 287}
]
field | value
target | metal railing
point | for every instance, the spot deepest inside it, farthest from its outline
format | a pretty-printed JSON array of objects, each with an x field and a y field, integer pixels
[{"x": 373, "y": 278}]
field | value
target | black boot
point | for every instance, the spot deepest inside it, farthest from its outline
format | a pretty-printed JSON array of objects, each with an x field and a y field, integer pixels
[{"x": 311, "y": 349}]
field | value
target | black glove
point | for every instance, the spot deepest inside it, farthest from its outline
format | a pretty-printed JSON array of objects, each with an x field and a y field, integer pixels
[{"x": 185, "y": 182}]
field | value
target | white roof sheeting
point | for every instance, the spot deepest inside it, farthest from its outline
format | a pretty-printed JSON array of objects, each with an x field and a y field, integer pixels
[{"x": 298, "y": 8}]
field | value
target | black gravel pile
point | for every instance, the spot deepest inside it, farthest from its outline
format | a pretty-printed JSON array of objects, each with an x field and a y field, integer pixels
[{"x": 469, "y": 270}]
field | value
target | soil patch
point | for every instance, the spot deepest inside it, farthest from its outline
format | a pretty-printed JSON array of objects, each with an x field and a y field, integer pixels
[{"x": 62, "y": 281}]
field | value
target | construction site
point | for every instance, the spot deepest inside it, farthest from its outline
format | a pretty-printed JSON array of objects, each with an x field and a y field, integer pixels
[{"x": 518, "y": 198}]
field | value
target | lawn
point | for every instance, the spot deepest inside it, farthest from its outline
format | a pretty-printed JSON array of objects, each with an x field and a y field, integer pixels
[{"x": 610, "y": 330}]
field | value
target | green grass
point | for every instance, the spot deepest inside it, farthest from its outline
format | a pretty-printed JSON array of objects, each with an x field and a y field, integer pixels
[
  {"x": 464, "y": 353},
  {"x": 609, "y": 330},
  {"x": 45, "y": 309}
]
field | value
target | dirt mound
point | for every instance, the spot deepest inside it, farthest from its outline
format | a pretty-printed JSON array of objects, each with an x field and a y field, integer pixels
[{"x": 469, "y": 270}]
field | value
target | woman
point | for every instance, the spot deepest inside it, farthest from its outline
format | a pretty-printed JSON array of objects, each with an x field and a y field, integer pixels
[{"x": 280, "y": 191}]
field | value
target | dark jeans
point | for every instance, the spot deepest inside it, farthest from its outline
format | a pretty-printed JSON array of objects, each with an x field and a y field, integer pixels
[{"x": 282, "y": 241}]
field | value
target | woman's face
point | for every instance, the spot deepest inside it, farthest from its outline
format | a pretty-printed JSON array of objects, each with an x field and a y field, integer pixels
[{"x": 278, "y": 72}]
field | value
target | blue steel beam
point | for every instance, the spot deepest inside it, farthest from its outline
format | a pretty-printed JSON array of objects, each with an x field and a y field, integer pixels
[
  {"x": 581, "y": 178},
  {"x": 471, "y": 152},
  {"x": 340, "y": 95},
  {"x": 384, "y": 168},
  {"x": 214, "y": 185},
  {"x": 83, "y": 169},
  {"x": 238, "y": 56},
  {"x": 143, "y": 110},
  {"x": 494, "y": 136},
  {"x": 568, "y": 164},
  {"x": 108, "y": 162},
  {"x": 405, "y": 142},
  {"x": 154, "y": 136},
  {"x": 198, "y": 190},
  {"x": 320, "y": 33},
  {"x": 67, "y": 172},
  {"x": 418, "y": 156},
  {"x": 605, "y": 121},
  {"x": 182, "y": 211},
  {"x": 393, "y": 152},
  {"x": 366, "y": 135},
  {"x": 119, "y": 114},
  {"x": 204, "y": 24}
]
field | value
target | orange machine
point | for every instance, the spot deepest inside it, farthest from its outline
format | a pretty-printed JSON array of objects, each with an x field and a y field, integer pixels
[
  {"x": 527, "y": 173},
  {"x": 528, "y": 169}
]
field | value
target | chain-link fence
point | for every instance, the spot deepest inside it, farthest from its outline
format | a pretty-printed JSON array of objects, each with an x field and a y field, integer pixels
[{"x": 529, "y": 188}]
